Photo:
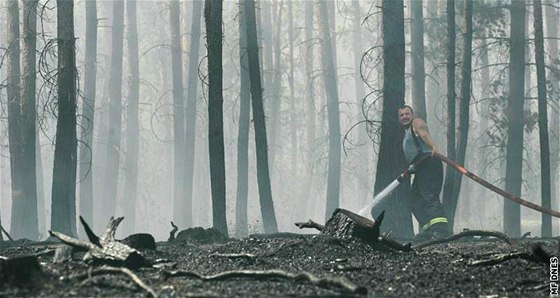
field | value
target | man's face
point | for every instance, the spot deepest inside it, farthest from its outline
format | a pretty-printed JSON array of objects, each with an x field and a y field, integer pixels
[{"x": 405, "y": 116}]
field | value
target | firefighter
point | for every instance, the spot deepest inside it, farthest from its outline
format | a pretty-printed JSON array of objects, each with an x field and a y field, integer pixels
[{"x": 428, "y": 178}]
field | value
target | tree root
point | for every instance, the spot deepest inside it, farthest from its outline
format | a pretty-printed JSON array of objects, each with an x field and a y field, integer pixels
[
  {"x": 468, "y": 233},
  {"x": 109, "y": 270},
  {"x": 339, "y": 282}
]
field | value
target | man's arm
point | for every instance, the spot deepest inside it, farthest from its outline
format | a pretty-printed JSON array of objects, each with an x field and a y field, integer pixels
[{"x": 421, "y": 129}]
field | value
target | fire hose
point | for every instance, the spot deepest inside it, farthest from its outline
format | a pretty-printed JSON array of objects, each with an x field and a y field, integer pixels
[
  {"x": 496, "y": 189},
  {"x": 402, "y": 177}
]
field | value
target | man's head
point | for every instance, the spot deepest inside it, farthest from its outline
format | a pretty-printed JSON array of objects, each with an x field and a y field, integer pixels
[{"x": 406, "y": 115}]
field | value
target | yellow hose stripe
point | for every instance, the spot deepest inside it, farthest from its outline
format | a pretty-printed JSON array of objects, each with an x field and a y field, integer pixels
[{"x": 435, "y": 221}]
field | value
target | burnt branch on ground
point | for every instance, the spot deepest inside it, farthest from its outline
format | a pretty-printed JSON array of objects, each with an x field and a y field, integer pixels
[
  {"x": 105, "y": 250},
  {"x": 111, "y": 270},
  {"x": 339, "y": 282},
  {"x": 535, "y": 254}
]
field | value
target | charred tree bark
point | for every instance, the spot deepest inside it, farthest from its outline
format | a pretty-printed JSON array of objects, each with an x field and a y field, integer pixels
[
  {"x": 63, "y": 209},
  {"x": 450, "y": 202},
  {"x": 347, "y": 225},
  {"x": 213, "y": 19},
  {"x": 552, "y": 16},
  {"x": 514, "y": 157},
  {"x": 418, "y": 71},
  {"x": 261, "y": 141},
  {"x": 14, "y": 114},
  {"x": 451, "y": 175},
  {"x": 241, "y": 228},
  {"x": 27, "y": 225},
  {"x": 546, "y": 228},
  {"x": 391, "y": 160}
]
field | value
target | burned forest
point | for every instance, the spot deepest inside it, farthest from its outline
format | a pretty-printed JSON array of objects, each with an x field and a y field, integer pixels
[{"x": 270, "y": 148}]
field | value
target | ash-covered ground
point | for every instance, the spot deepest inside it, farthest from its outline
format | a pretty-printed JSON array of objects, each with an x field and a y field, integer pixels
[{"x": 297, "y": 265}]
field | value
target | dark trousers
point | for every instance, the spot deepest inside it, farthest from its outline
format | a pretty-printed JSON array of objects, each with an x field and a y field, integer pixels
[{"x": 425, "y": 190}]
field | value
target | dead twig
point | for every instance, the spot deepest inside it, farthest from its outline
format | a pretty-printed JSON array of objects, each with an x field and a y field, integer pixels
[
  {"x": 338, "y": 281},
  {"x": 468, "y": 233},
  {"x": 310, "y": 224},
  {"x": 537, "y": 254},
  {"x": 110, "y": 270},
  {"x": 172, "y": 233},
  {"x": 499, "y": 258}
]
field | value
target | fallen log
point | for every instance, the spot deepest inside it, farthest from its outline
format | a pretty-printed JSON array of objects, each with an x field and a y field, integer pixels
[{"x": 105, "y": 250}]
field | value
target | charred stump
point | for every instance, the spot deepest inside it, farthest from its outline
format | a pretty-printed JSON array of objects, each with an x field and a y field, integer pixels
[
  {"x": 105, "y": 250},
  {"x": 348, "y": 225},
  {"x": 198, "y": 235},
  {"x": 140, "y": 241},
  {"x": 345, "y": 224}
]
